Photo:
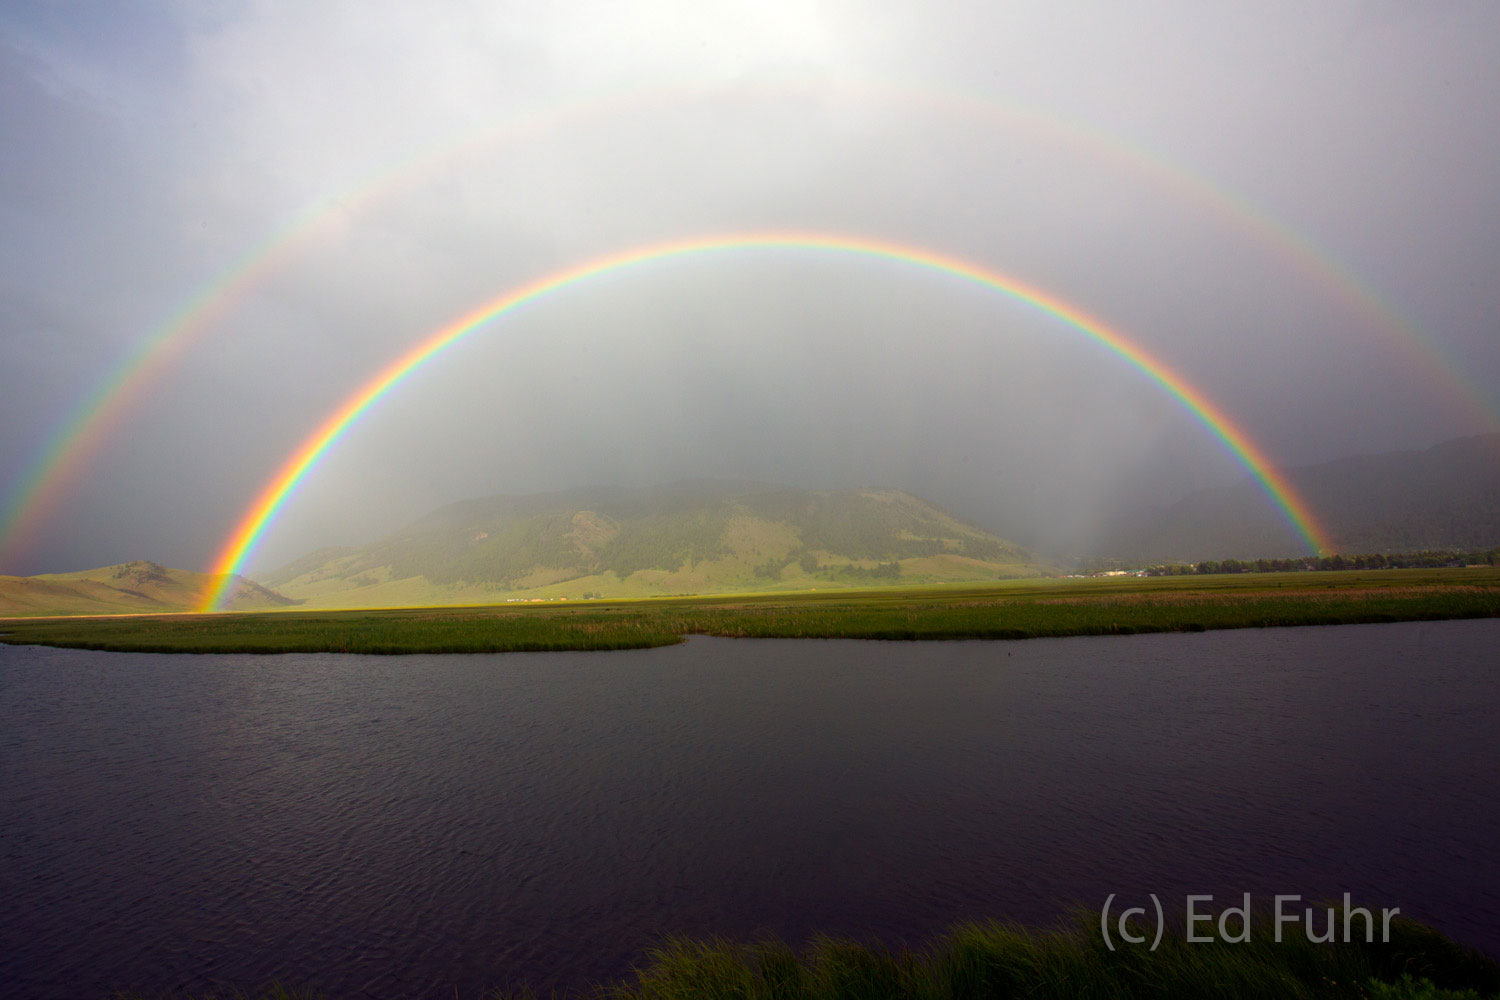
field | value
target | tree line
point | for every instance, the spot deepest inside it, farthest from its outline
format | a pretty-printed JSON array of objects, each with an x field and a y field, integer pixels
[{"x": 1425, "y": 559}]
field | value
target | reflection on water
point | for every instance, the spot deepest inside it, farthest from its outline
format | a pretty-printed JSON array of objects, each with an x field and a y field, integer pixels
[{"x": 401, "y": 826}]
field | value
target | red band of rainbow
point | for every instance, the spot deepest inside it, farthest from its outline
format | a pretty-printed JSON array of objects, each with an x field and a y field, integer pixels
[{"x": 261, "y": 514}]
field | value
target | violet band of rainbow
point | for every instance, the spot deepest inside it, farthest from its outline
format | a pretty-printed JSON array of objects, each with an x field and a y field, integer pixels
[
  {"x": 64, "y": 455},
  {"x": 261, "y": 514}
]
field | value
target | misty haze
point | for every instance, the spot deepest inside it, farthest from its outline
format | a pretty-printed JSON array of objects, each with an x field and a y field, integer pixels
[{"x": 654, "y": 373}]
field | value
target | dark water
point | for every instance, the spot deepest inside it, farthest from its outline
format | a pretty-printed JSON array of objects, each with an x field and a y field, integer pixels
[{"x": 405, "y": 826}]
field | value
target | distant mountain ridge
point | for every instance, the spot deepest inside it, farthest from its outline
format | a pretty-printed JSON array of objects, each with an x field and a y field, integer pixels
[
  {"x": 710, "y": 536},
  {"x": 701, "y": 536},
  {"x": 1443, "y": 497},
  {"x": 139, "y": 587}
]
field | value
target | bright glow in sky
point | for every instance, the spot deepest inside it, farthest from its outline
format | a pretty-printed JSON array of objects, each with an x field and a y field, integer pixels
[{"x": 147, "y": 149}]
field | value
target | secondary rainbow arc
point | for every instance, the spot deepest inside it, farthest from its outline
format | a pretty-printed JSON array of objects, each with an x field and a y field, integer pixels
[
  {"x": 261, "y": 514},
  {"x": 65, "y": 453}
]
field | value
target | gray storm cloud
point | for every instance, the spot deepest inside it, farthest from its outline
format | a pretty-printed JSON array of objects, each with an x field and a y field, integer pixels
[{"x": 146, "y": 151}]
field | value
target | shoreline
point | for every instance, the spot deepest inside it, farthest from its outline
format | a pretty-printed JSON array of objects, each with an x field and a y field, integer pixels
[{"x": 1001, "y": 611}]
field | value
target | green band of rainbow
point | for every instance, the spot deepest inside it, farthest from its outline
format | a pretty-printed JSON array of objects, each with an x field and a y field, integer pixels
[
  {"x": 241, "y": 544},
  {"x": 64, "y": 457}
]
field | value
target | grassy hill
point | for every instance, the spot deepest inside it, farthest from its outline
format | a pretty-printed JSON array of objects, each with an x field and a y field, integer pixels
[
  {"x": 687, "y": 538},
  {"x": 130, "y": 588},
  {"x": 1444, "y": 497}
]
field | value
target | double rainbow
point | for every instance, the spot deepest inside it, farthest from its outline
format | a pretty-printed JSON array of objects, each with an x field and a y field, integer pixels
[
  {"x": 65, "y": 454},
  {"x": 262, "y": 513}
]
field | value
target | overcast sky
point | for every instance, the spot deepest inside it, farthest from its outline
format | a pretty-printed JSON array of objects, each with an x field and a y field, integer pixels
[{"x": 147, "y": 147}]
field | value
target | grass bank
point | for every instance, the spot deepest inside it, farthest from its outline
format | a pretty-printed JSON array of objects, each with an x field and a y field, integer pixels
[
  {"x": 999, "y": 961},
  {"x": 1020, "y": 610}
]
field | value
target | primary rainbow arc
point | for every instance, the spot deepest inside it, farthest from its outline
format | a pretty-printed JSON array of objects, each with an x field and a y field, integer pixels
[
  {"x": 65, "y": 453},
  {"x": 261, "y": 514}
]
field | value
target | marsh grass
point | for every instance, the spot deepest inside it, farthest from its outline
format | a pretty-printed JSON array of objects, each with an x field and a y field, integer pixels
[
  {"x": 997, "y": 961},
  {"x": 1003, "y": 611},
  {"x": 1004, "y": 960}
]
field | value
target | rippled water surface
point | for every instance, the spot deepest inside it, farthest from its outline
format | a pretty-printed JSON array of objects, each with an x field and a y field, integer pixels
[{"x": 404, "y": 826}]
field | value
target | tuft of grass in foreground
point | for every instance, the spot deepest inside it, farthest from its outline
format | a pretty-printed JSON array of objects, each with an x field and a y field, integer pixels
[
  {"x": 1019, "y": 610},
  {"x": 996, "y": 961}
]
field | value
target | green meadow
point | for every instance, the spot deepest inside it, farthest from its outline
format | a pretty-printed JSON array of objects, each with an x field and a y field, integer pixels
[{"x": 1014, "y": 610}]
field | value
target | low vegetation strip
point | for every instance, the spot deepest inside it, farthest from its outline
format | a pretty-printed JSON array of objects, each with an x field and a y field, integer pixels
[
  {"x": 1000, "y": 961},
  {"x": 1009, "y": 611}
]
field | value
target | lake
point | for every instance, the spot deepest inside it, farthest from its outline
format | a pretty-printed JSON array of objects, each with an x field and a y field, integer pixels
[{"x": 405, "y": 826}]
